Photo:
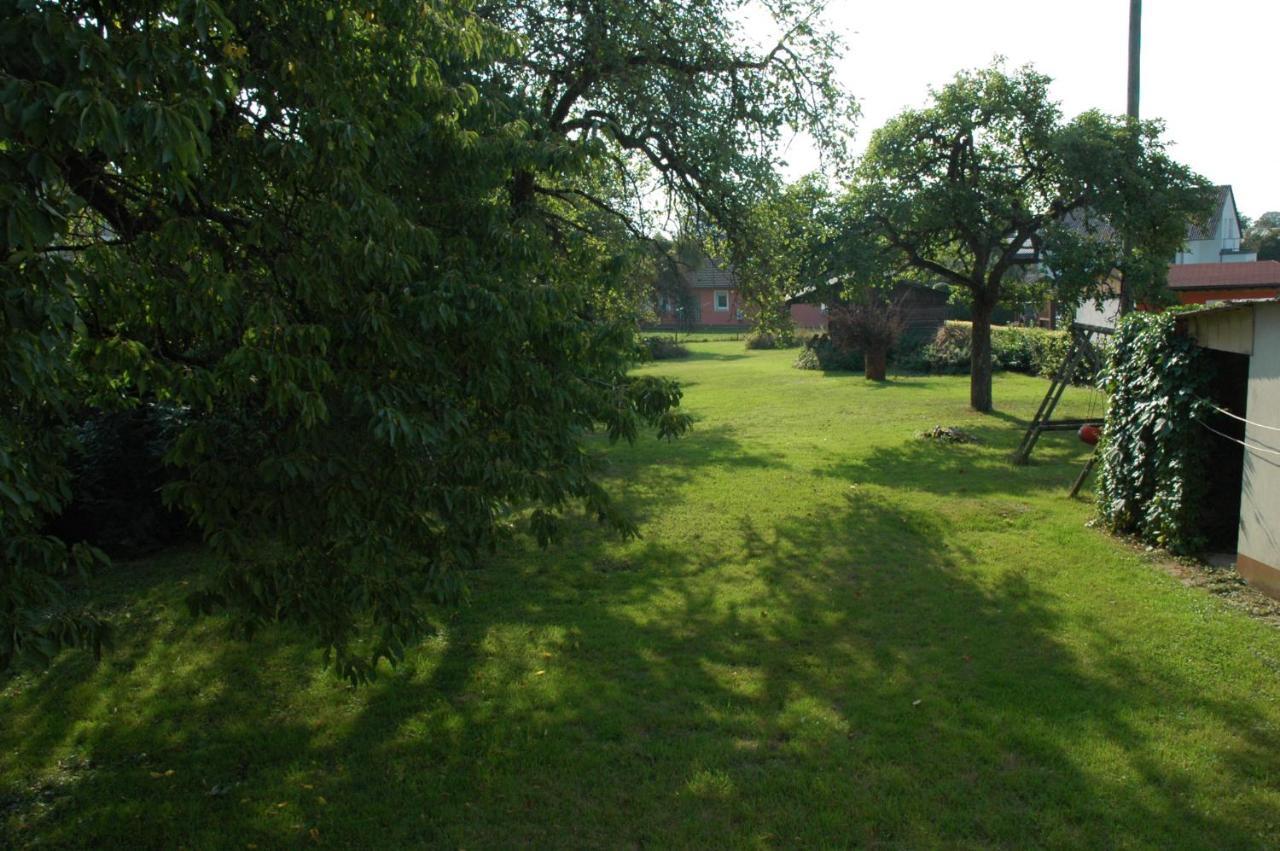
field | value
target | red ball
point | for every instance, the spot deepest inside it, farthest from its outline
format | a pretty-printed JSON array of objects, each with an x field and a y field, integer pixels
[{"x": 1090, "y": 433}]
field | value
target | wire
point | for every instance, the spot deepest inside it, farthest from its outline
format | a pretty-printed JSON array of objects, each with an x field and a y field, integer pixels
[
  {"x": 1240, "y": 418},
  {"x": 1249, "y": 446}
]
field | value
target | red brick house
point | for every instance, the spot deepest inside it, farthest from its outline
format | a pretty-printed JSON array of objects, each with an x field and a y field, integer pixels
[{"x": 711, "y": 297}]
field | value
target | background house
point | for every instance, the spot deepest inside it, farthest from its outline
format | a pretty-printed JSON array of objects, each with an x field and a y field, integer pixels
[
  {"x": 1210, "y": 266},
  {"x": 1217, "y": 239},
  {"x": 710, "y": 296},
  {"x": 924, "y": 308}
]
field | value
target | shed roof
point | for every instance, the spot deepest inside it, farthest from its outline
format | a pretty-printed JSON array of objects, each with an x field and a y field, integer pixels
[
  {"x": 1227, "y": 304},
  {"x": 1200, "y": 276}
]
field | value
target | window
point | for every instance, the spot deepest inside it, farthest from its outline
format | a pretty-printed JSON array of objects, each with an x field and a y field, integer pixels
[{"x": 722, "y": 300}]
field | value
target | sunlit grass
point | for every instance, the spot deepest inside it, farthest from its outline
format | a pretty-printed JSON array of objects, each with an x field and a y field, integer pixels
[{"x": 831, "y": 633}]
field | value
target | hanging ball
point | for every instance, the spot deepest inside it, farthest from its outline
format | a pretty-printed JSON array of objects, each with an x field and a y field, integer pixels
[{"x": 1089, "y": 433}]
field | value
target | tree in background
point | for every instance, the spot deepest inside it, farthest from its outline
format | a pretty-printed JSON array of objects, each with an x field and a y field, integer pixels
[
  {"x": 1263, "y": 236},
  {"x": 959, "y": 190},
  {"x": 381, "y": 256},
  {"x": 780, "y": 249}
]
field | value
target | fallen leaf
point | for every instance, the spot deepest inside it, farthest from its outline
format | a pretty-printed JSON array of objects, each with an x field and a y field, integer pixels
[{"x": 916, "y": 702}]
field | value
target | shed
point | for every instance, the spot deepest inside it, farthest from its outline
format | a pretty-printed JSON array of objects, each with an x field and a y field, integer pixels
[{"x": 1247, "y": 333}]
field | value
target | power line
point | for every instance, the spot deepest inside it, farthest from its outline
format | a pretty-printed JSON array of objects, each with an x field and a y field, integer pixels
[
  {"x": 1248, "y": 446},
  {"x": 1240, "y": 418}
]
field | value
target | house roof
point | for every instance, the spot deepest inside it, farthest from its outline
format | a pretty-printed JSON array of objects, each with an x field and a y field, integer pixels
[
  {"x": 1208, "y": 229},
  {"x": 708, "y": 274},
  {"x": 1216, "y": 276}
]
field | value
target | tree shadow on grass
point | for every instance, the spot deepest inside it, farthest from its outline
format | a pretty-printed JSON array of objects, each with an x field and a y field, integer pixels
[
  {"x": 843, "y": 677},
  {"x": 978, "y": 469},
  {"x": 717, "y": 356}
]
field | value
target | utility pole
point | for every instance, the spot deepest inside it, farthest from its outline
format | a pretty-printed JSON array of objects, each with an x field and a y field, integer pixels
[
  {"x": 1135, "y": 54},
  {"x": 1135, "y": 75}
]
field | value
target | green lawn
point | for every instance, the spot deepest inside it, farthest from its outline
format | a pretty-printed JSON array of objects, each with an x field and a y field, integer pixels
[{"x": 831, "y": 633}]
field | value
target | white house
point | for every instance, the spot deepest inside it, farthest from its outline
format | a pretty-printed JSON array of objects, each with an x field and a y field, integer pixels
[{"x": 1217, "y": 240}]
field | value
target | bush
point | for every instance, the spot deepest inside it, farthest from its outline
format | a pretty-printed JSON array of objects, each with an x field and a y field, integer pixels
[
  {"x": 663, "y": 348},
  {"x": 820, "y": 353},
  {"x": 117, "y": 472},
  {"x": 1035, "y": 351},
  {"x": 761, "y": 340},
  {"x": 871, "y": 324}
]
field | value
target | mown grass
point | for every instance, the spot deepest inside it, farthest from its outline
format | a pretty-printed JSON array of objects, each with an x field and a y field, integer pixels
[{"x": 832, "y": 633}]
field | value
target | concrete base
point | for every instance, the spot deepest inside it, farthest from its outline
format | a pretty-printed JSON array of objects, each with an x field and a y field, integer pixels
[{"x": 1264, "y": 577}]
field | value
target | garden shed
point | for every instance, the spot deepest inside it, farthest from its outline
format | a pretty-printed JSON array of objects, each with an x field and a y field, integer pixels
[{"x": 1244, "y": 338}]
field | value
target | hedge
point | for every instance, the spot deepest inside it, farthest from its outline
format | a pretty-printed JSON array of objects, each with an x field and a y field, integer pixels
[{"x": 1035, "y": 351}]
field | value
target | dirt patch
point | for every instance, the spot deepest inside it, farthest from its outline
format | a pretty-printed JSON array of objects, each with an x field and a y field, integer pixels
[{"x": 1218, "y": 577}]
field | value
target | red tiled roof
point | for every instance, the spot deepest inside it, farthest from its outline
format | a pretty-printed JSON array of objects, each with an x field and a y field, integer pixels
[{"x": 1196, "y": 276}]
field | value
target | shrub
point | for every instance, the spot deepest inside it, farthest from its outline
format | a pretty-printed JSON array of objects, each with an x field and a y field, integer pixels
[
  {"x": 663, "y": 348},
  {"x": 1152, "y": 478},
  {"x": 820, "y": 353},
  {"x": 871, "y": 325},
  {"x": 764, "y": 340},
  {"x": 1035, "y": 351}
]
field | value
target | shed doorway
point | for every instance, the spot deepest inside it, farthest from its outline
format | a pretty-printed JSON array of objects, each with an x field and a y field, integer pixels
[{"x": 1225, "y": 467}]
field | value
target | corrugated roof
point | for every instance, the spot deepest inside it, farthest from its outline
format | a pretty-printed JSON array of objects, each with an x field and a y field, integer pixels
[
  {"x": 1228, "y": 304},
  {"x": 1201, "y": 276}
]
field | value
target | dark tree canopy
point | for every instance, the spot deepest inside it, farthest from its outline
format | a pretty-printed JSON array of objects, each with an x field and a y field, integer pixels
[
  {"x": 377, "y": 255},
  {"x": 1263, "y": 236},
  {"x": 960, "y": 190}
]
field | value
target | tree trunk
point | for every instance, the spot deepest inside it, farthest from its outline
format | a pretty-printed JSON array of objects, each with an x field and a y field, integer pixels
[
  {"x": 980, "y": 356},
  {"x": 875, "y": 364}
]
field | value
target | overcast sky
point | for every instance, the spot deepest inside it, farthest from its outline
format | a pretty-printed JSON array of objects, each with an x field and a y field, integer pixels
[{"x": 1209, "y": 69}]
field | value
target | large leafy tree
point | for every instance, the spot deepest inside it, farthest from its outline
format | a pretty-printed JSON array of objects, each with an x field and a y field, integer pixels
[
  {"x": 962, "y": 189},
  {"x": 379, "y": 255},
  {"x": 782, "y": 248}
]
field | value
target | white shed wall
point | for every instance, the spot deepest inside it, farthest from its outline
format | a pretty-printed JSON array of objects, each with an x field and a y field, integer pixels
[{"x": 1260, "y": 499}]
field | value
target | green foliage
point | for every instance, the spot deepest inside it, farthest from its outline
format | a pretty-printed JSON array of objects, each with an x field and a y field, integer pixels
[
  {"x": 384, "y": 257},
  {"x": 769, "y": 340},
  {"x": 118, "y": 472},
  {"x": 1151, "y": 482},
  {"x": 1034, "y": 351},
  {"x": 780, "y": 248},
  {"x": 663, "y": 348},
  {"x": 959, "y": 189},
  {"x": 1263, "y": 236},
  {"x": 820, "y": 352}
]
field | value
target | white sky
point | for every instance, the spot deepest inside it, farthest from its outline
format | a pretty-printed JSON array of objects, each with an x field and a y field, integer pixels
[{"x": 1209, "y": 69}]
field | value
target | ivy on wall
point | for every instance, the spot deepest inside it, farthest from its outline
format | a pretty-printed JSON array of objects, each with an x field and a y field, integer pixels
[{"x": 1153, "y": 452}]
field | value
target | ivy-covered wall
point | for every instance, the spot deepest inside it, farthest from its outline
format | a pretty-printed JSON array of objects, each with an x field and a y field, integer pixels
[{"x": 1153, "y": 449}]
